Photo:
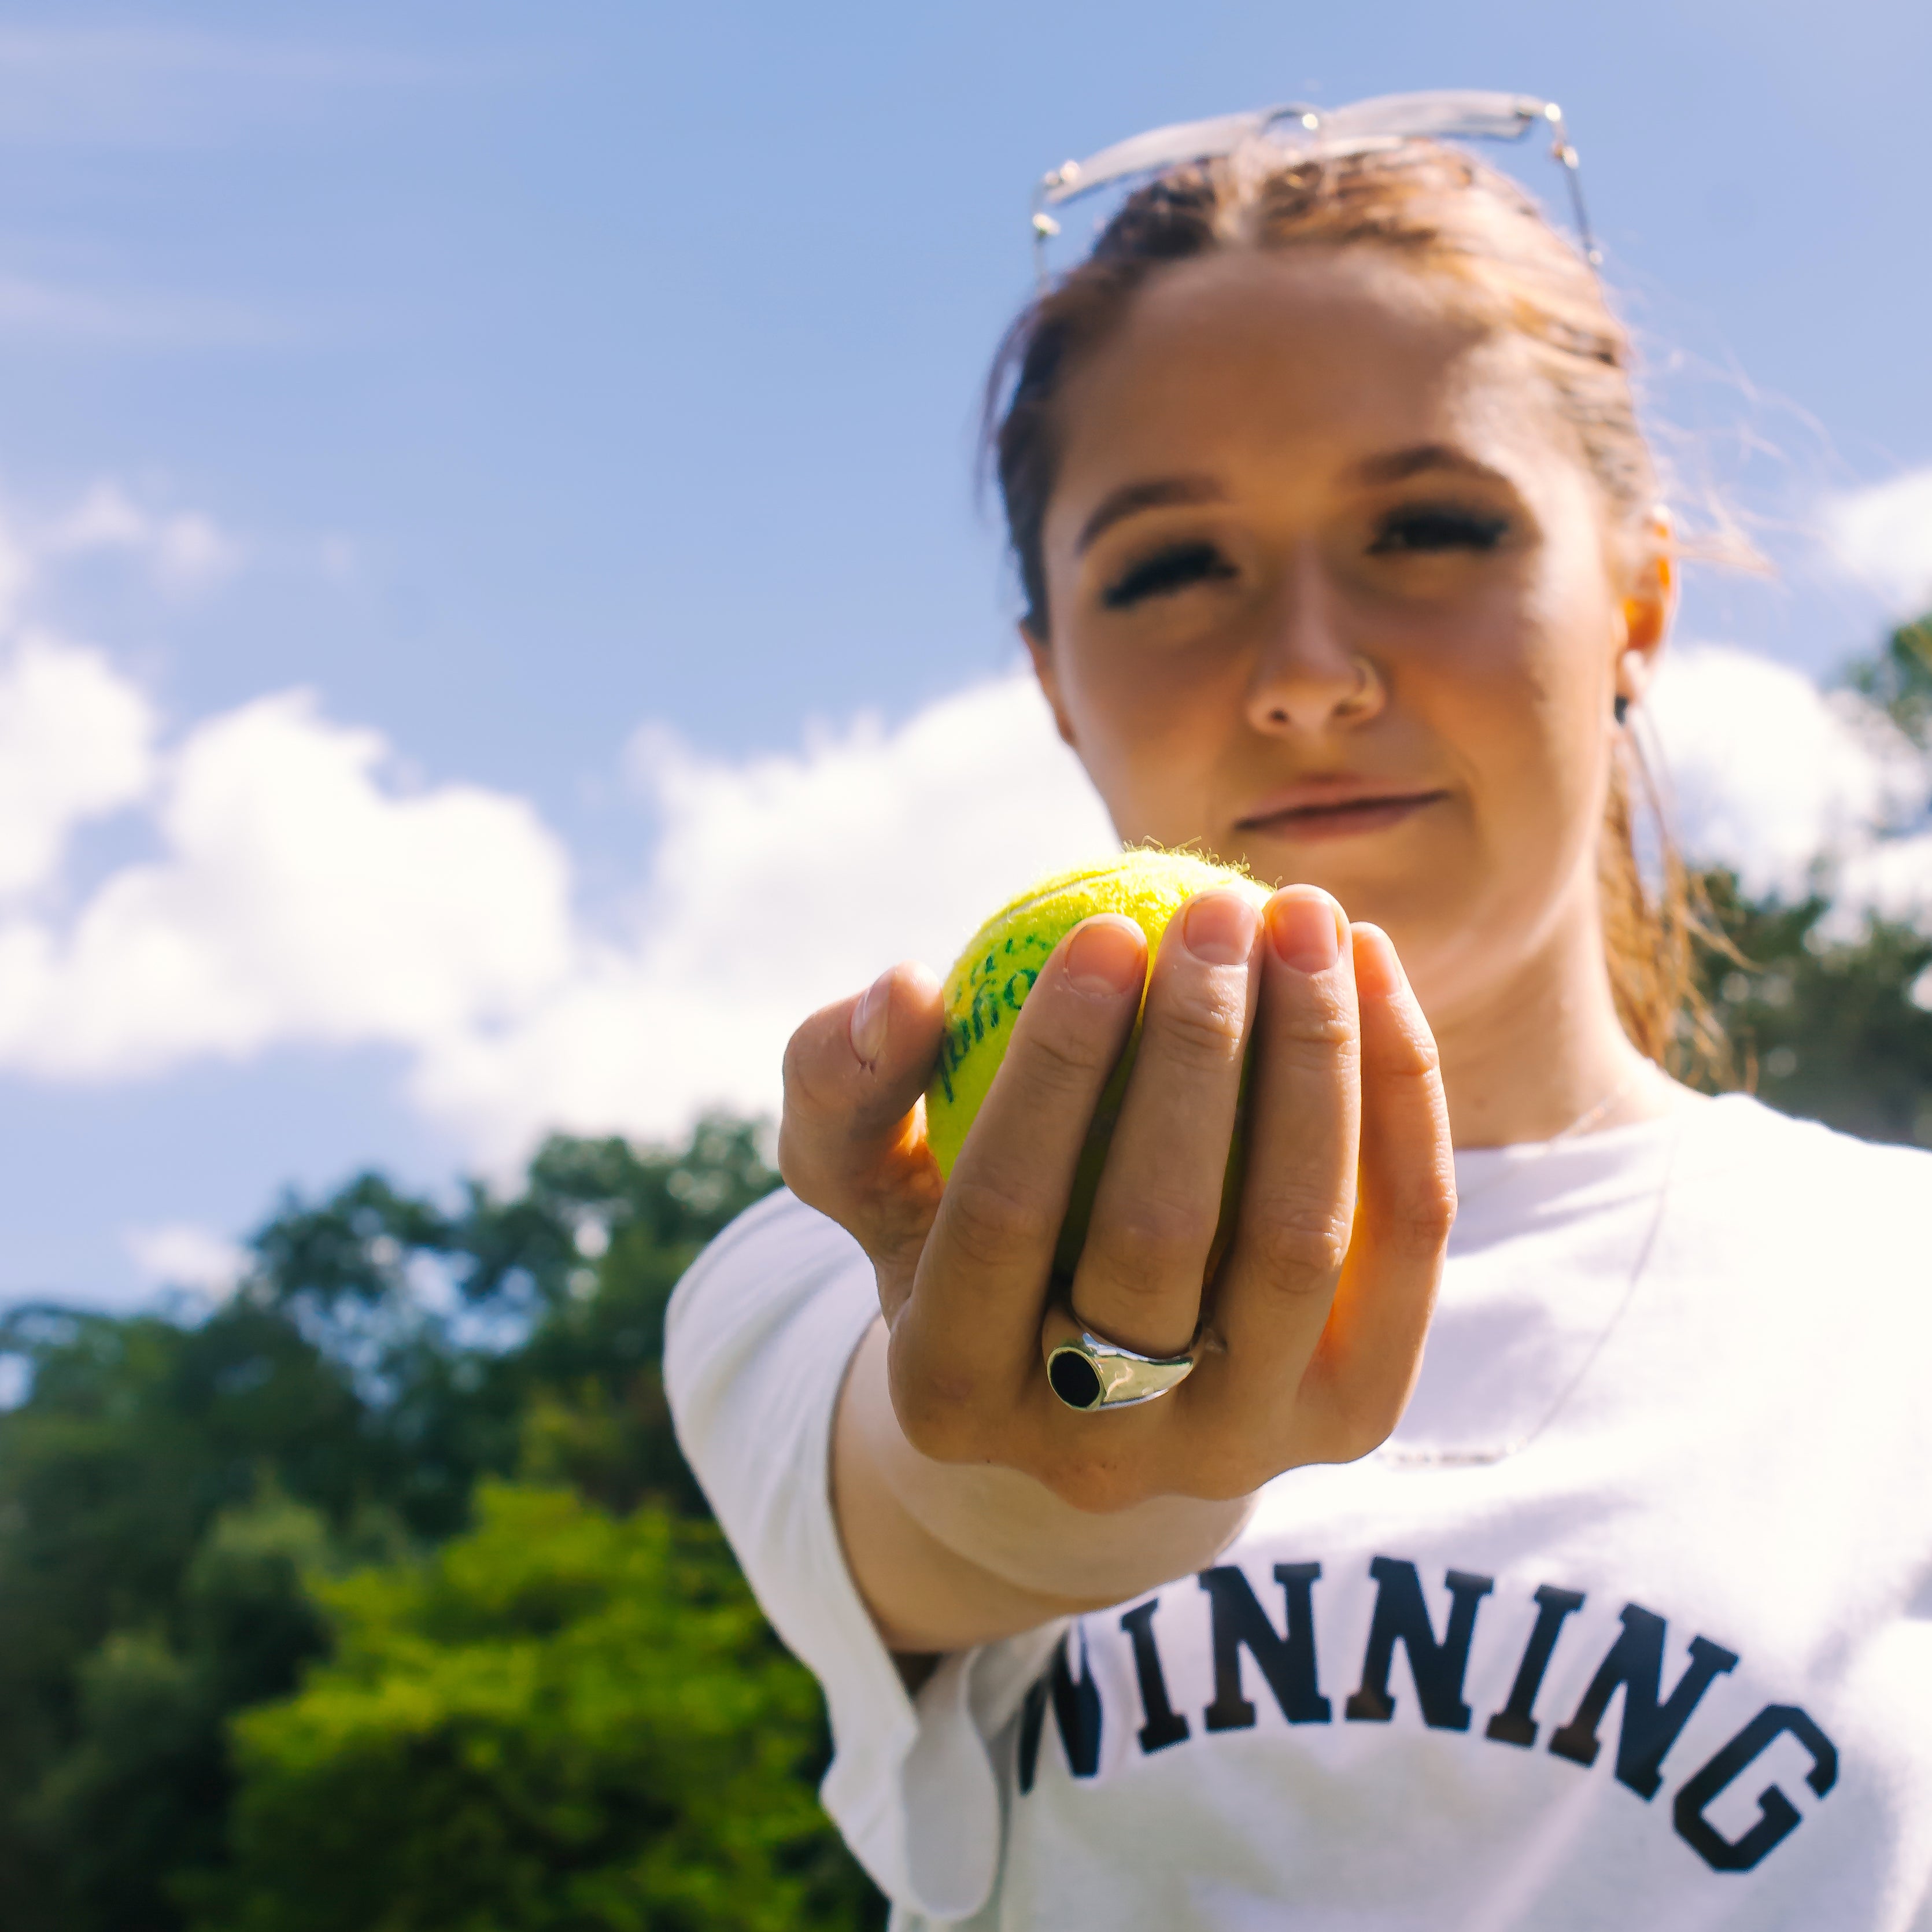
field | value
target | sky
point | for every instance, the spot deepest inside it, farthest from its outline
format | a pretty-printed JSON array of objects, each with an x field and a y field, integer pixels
[{"x": 495, "y": 619}]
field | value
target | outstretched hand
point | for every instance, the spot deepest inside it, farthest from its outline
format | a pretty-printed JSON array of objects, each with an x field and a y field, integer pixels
[{"x": 1311, "y": 1330}]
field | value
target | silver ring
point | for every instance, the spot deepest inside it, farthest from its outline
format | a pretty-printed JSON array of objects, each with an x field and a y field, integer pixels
[{"x": 1088, "y": 1373}]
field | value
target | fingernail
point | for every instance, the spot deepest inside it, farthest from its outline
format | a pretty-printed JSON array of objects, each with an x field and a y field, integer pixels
[
  {"x": 1218, "y": 927},
  {"x": 1306, "y": 934},
  {"x": 1384, "y": 978},
  {"x": 1104, "y": 959},
  {"x": 869, "y": 1017}
]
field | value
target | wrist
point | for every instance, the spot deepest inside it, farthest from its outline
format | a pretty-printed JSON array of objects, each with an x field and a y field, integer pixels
[{"x": 948, "y": 1554}]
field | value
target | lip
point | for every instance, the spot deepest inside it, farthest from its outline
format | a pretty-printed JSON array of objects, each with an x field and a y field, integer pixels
[{"x": 1337, "y": 807}]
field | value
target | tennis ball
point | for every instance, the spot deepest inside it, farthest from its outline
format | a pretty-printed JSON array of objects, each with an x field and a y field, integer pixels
[{"x": 991, "y": 980}]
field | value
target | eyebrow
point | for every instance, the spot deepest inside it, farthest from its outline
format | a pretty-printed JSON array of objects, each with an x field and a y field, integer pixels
[
  {"x": 1397, "y": 465},
  {"x": 1156, "y": 493},
  {"x": 1160, "y": 492}
]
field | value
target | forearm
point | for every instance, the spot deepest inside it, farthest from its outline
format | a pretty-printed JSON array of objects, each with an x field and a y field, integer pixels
[{"x": 949, "y": 1555}]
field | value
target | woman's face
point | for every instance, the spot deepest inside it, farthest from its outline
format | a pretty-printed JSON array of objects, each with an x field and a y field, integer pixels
[{"x": 1332, "y": 592}]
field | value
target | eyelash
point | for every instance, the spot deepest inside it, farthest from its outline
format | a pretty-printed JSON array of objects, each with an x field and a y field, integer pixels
[
  {"x": 1166, "y": 571},
  {"x": 1428, "y": 531},
  {"x": 1417, "y": 533}
]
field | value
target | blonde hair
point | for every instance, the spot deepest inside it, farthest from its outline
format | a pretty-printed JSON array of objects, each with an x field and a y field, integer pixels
[{"x": 1440, "y": 208}]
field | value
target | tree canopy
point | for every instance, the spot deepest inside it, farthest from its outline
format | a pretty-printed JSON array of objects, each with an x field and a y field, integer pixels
[
  {"x": 410, "y": 1501},
  {"x": 559, "y": 1720}
]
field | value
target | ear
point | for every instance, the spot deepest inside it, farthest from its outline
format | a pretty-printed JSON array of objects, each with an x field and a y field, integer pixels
[
  {"x": 1047, "y": 672},
  {"x": 1649, "y": 606}
]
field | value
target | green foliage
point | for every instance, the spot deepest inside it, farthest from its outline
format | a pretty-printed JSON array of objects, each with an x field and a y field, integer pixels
[
  {"x": 1828, "y": 1020},
  {"x": 143, "y": 1784},
  {"x": 1832, "y": 1028},
  {"x": 588, "y": 1389},
  {"x": 175, "y": 1494},
  {"x": 558, "y": 1297},
  {"x": 147, "y": 1585},
  {"x": 561, "y": 1721},
  {"x": 1900, "y": 680}
]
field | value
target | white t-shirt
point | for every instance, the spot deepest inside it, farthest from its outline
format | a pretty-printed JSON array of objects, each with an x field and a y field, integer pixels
[{"x": 1665, "y": 1663}]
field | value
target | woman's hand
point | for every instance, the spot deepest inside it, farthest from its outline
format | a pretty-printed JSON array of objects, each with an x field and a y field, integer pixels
[{"x": 1316, "y": 1315}]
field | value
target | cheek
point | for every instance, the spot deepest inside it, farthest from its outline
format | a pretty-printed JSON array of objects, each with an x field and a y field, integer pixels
[
  {"x": 1565, "y": 673},
  {"x": 1524, "y": 703},
  {"x": 1151, "y": 733}
]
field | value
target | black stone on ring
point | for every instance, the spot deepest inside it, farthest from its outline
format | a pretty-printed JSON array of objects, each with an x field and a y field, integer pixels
[{"x": 1090, "y": 1373}]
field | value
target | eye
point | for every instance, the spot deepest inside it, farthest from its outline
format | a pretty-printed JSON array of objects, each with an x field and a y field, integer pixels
[
  {"x": 1166, "y": 571},
  {"x": 1429, "y": 530}
]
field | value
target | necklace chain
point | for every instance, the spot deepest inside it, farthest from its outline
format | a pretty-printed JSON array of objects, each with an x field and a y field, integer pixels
[
  {"x": 1582, "y": 1124},
  {"x": 1467, "y": 1459}
]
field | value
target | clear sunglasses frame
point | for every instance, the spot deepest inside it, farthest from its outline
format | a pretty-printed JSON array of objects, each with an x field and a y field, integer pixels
[{"x": 1301, "y": 131}]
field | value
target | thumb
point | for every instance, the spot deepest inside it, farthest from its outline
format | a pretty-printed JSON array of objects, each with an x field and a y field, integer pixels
[{"x": 852, "y": 1142}]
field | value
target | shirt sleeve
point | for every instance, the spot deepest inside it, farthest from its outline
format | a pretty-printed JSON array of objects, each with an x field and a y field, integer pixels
[{"x": 757, "y": 1341}]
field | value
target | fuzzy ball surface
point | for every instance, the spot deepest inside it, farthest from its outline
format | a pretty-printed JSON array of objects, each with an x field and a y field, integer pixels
[{"x": 989, "y": 983}]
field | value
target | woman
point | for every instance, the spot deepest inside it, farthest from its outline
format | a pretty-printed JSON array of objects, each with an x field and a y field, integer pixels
[{"x": 1342, "y": 559}]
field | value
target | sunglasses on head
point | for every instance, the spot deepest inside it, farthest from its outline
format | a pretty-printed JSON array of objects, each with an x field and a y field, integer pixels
[{"x": 1301, "y": 132}]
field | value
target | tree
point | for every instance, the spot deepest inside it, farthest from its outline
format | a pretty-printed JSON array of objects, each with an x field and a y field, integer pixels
[
  {"x": 1899, "y": 680},
  {"x": 148, "y": 1585},
  {"x": 143, "y": 1785},
  {"x": 1833, "y": 1028},
  {"x": 1828, "y": 1018},
  {"x": 560, "y": 1723},
  {"x": 175, "y": 1492}
]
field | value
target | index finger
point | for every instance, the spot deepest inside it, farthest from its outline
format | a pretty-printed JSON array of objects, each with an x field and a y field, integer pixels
[{"x": 973, "y": 1322}]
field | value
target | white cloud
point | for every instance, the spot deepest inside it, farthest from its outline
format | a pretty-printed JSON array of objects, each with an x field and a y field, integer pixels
[
  {"x": 178, "y": 1254},
  {"x": 299, "y": 897},
  {"x": 1882, "y": 535},
  {"x": 780, "y": 883},
  {"x": 75, "y": 742},
  {"x": 302, "y": 892},
  {"x": 184, "y": 548},
  {"x": 77, "y": 735},
  {"x": 1769, "y": 775},
  {"x": 1891, "y": 878},
  {"x": 16, "y": 571}
]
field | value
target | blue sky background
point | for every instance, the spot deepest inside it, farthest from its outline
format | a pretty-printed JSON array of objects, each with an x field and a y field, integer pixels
[{"x": 547, "y": 370}]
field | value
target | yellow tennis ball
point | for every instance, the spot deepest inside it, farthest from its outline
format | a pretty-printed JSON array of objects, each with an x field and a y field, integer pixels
[{"x": 991, "y": 980}]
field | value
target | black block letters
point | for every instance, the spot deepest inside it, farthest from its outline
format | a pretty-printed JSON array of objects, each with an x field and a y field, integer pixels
[{"x": 1240, "y": 1626}]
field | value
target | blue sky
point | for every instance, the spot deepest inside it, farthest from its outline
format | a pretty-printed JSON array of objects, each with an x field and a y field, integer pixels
[{"x": 517, "y": 380}]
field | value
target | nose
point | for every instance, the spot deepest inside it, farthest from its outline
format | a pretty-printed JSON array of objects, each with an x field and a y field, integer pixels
[{"x": 1307, "y": 678}]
